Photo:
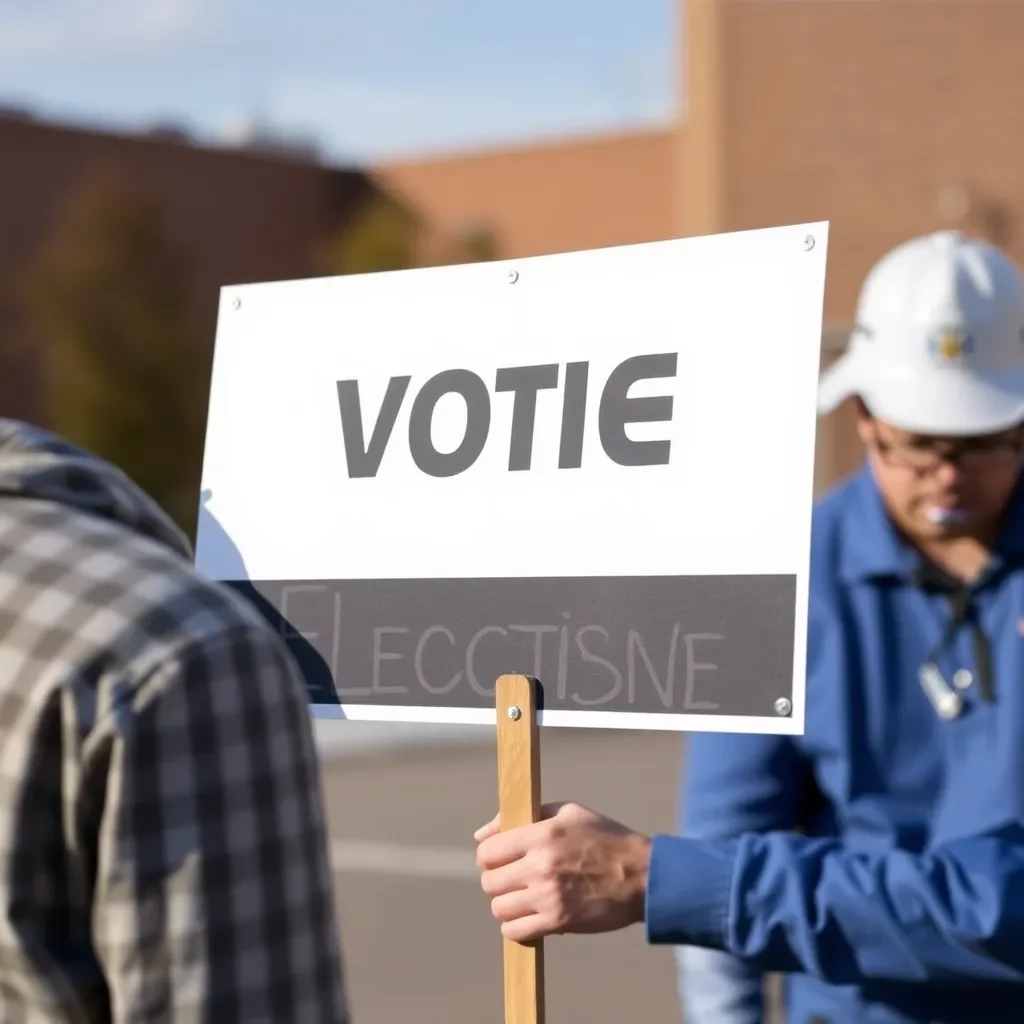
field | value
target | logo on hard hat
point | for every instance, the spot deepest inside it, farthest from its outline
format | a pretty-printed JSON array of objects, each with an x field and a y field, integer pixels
[{"x": 950, "y": 344}]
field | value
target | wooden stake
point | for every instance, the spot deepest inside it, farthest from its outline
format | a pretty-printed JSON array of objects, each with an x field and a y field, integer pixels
[{"x": 519, "y": 804}]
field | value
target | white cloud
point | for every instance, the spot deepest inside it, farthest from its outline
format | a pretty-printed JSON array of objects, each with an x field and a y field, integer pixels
[{"x": 35, "y": 31}]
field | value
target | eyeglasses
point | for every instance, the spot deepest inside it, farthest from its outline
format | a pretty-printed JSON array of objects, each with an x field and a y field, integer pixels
[{"x": 976, "y": 453}]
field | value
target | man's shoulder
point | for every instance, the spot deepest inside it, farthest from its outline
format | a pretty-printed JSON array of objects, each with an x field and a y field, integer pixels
[
  {"x": 832, "y": 506},
  {"x": 835, "y": 515},
  {"x": 83, "y": 595}
]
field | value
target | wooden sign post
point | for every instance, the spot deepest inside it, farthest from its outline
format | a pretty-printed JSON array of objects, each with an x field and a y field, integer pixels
[
  {"x": 519, "y": 804},
  {"x": 596, "y": 467}
]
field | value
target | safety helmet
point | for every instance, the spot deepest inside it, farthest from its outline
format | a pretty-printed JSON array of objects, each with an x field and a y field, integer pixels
[{"x": 938, "y": 342}]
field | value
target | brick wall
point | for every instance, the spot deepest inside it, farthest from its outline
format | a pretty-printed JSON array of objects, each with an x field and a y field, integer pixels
[
  {"x": 889, "y": 118},
  {"x": 578, "y": 193}
]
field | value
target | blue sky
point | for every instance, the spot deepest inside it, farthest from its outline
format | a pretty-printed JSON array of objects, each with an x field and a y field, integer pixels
[{"x": 367, "y": 79}]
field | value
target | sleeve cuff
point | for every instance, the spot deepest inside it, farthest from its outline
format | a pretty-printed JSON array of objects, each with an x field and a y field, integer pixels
[{"x": 688, "y": 891}]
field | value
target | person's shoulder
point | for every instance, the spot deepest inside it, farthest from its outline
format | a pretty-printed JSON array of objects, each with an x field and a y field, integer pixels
[
  {"x": 832, "y": 506},
  {"x": 98, "y": 597},
  {"x": 834, "y": 515}
]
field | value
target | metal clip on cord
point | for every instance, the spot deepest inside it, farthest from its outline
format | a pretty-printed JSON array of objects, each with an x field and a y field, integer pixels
[{"x": 946, "y": 701}]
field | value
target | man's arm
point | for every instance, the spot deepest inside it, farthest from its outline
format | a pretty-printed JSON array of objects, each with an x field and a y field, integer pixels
[
  {"x": 781, "y": 902},
  {"x": 734, "y": 784},
  {"x": 790, "y": 903},
  {"x": 213, "y": 892}
]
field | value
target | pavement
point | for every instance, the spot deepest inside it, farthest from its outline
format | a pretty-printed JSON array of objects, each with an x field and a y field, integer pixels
[
  {"x": 349, "y": 738},
  {"x": 419, "y": 942}
]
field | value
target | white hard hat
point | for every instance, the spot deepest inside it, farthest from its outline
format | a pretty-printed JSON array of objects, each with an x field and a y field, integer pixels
[{"x": 938, "y": 343}]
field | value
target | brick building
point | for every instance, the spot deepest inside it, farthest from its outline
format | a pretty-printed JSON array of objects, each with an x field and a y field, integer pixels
[
  {"x": 240, "y": 215},
  {"x": 890, "y": 119},
  {"x": 579, "y": 193}
]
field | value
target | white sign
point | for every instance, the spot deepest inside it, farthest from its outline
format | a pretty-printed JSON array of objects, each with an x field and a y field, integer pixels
[{"x": 596, "y": 468}]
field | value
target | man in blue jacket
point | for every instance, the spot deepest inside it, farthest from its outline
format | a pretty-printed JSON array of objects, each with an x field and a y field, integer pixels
[{"x": 877, "y": 860}]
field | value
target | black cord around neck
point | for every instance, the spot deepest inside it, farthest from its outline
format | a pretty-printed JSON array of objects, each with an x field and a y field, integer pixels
[{"x": 930, "y": 577}]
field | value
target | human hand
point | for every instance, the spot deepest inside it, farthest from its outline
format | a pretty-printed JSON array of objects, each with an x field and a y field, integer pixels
[{"x": 572, "y": 871}]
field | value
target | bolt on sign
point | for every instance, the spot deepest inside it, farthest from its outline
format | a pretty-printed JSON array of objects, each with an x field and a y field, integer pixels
[{"x": 592, "y": 468}]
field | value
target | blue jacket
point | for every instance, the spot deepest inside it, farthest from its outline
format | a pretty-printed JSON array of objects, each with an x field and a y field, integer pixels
[{"x": 878, "y": 859}]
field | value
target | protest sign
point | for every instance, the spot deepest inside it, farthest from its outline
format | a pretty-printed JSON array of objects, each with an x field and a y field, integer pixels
[{"x": 593, "y": 468}]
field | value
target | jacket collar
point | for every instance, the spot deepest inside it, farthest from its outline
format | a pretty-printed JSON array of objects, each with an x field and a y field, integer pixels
[{"x": 872, "y": 547}]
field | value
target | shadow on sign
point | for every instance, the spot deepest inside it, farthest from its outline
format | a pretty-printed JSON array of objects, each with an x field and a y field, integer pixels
[{"x": 224, "y": 553}]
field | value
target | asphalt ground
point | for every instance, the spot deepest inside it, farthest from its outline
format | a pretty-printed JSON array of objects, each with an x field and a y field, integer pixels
[{"x": 419, "y": 942}]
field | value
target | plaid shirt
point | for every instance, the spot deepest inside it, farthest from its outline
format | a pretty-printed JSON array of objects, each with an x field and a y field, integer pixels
[{"x": 163, "y": 848}]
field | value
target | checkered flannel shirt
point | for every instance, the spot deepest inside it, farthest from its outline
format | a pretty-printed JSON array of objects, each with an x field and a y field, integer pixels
[{"x": 163, "y": 850}]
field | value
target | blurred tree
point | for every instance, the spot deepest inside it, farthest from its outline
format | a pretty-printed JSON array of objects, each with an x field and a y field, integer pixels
[
  {"x": 383, "y": 235},
  {"x": 386, "y": 235},
  {"x": 107, "y": 300},
  {"x": 474, "y": 245}
]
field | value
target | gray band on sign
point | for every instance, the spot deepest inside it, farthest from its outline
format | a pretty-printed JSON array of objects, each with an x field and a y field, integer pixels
[{"x": 720, "y": 645}]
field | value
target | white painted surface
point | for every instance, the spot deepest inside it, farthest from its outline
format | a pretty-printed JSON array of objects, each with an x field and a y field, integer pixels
[
  {"x": 336, "y": 720},
  {"x": 743, "y": 314}
]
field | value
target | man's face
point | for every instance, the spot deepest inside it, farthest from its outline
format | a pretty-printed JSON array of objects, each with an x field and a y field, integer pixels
[{"x": 939, "y": 487}]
